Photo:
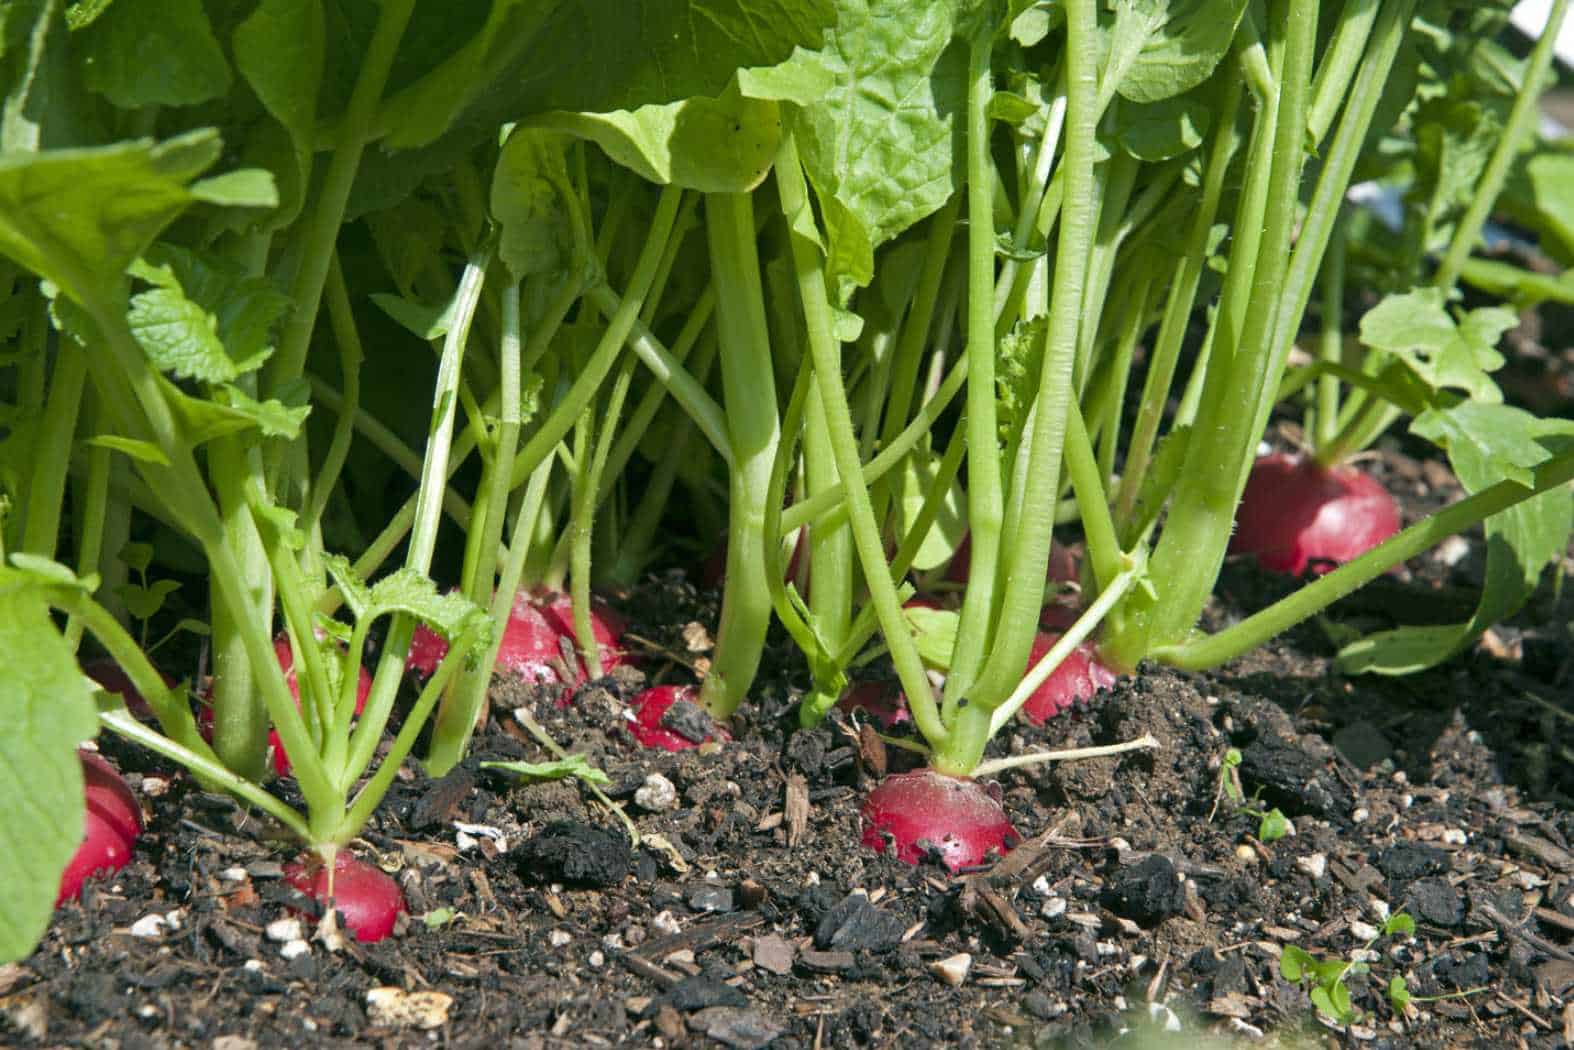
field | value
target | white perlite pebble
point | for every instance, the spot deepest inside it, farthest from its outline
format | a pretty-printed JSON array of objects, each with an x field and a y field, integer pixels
[
  {"x": 1313, "y": 864},
  {"x": 1362, "y": 931},
  {"x": 952, "y": 969},
  {"x": 656, "y": 795},
  {"x": 665, "y": 924},
  {"x": 283, "y": 930},
  {"x": 1053, "y": 908},
  {"x": 558, "y": 938},
  {"x": 294, "y": 949},
  {"x": 233, "y": 875},
  {"x": 149, "y": 926}
]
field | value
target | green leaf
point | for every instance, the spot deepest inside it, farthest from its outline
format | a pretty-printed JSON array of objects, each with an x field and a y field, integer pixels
[
  {"x": 1295, "y": 962},
  {"x": 1486, "y": 443},
  {"x": 427, "y": 321},
  {"x": 44, "y": 103},
  {"x": 141, "y": 451},
  {"x": 356, "y": 594},
  {"x": 204, "y": 318},
  {"x": 144, "y": 602},
  {"x": 243, "y": 188},
  {"x": 1333, "y": 1002},
  {"x": 881, "y": 147},
  {"x": 47, "y": 709},
  {"x": 528, "y": 187},
  {"x": 1162, "y": 48},
  {"x": 406, "y": 590},
  {"x": 1273, "y": 826},
  {"x": 714, "y": 145},
  {"x": 559, "y": 769},
  {"x": 950, "y": 524},
  {"x": 279, "y": 51},
  {"x": 280, "y": 417},
  {"x": 532, "y": 56},
  {"x": 154, "y": 53},
  {"x": 1398, "y": 993},
  {"x": 1417, "y": 330},
  {"x": 1161, "y": 130},
  {"x": 79, "y": 217},
  {"x": 1399, "y": 923},
  {"x": 137, "y": 556},
  {"x": 934, "y": 630}
]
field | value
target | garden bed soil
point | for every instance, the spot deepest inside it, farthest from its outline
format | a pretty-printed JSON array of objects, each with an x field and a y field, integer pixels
[{"x": 751, "y": 915}]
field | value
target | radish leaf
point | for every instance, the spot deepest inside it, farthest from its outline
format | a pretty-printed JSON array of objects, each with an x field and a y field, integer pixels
[
  {"x": 154, "y": 53},
  {"x": 47, "y": 709}
]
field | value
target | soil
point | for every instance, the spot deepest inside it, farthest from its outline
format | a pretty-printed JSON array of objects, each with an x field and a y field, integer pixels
[{"x": 1140, "y": 896}]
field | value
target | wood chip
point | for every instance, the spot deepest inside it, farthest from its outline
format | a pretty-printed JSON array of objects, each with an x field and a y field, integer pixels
[
  {"x": 826, "y": 962},
  {"x": 1538, "y": 848},
  {"x": 796, "y": 804}
]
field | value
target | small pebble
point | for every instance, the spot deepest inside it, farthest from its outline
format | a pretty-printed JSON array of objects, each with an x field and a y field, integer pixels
[
  {"x": 149, "y": 926},
  {"x": 281, "y": 930},
  {"x": 295, "y": 949},
  {"x": 952, "y": 969},
  {"x": 236, "y": 874},
  {"x": 1363, "y": 931},
  {"x": 597, "y": 960},
  {"x": 656, "y": 795},
  {"x": 400, "y": 1009},
  {"x": 1313, "y": 864},
  {"x": 665, "y": 924},
  {"x": 1053, "y": 908},
  {"x": 1454, "y": 836},
  {"x": 558, "y": 938}
]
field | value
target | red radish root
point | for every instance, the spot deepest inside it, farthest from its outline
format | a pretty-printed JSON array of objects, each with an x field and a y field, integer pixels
[
  {"x": 884, "y": 702},
  {"x": 651, "y": 706},
  {"x": 112, "y": 679},
  {"x": 925, "y": 813},
  {"x": 368, "y": 900},
  {"x": 1080, "y": 676},
  {"x": 281, "y": 648},
  {"x": 539, "y": 643},
  {"x": 110, "y": 827},
  {"x": 1296, "y": 515}
]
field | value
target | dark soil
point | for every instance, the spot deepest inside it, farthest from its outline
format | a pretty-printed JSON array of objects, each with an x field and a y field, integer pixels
[{"x": 751, "y": 915}]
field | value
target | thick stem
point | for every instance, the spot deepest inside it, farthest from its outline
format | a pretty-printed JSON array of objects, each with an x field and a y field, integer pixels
[
  {"x": 809, "y": 268},
  {"x": 1029, "y": 556},
  {"x": 749, "y": 390},
  {"x": 985, "y": 500}
]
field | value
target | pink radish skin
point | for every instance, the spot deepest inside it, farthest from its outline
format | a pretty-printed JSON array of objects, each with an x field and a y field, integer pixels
[
  {"x": 112, "y": 679},
  {"x": 281, "y": 648},
  {"x": 367, "y": 899},
  {"x": 1080, "y": 676},
  {"x": 532, "y": 646},
  {"x": 647, "y": 709},
  {"x": 884, "y": 702},
  {"x": 923, "y": 812},
  {"x": 1296, "y": 515},
  {"x": 110, "y": 826}
]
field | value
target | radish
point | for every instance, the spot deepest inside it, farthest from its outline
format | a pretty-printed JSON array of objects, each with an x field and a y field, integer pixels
[
  {"x": 112, "y": 679},
  {"x": 1297, "y": 515},
  {"x": 650, "y": 723},
  {"x": 883, "y": 702},
  {"x": 539, "y": 643},
  {"x": 281, "y": 648},
  {"x": 286, "y": 657},
  {"x": 367, "y": 898},
  {"x": 110, "y": 826},
  {"x": 1078, "y": 678},
  {"x": 923, "y": 813}
]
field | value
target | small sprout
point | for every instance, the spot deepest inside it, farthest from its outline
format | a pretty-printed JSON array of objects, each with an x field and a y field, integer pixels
[
  {"x": 558, "y": 769},
  {"x": 1273, "y": 827}
]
